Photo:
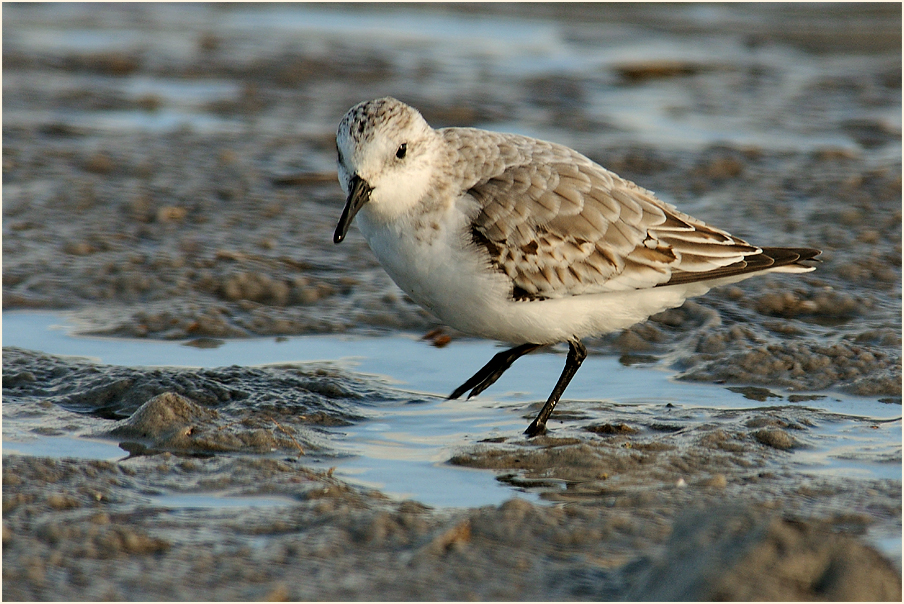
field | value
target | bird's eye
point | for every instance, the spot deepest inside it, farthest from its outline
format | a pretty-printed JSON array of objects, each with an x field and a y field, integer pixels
[{"x": 402, "y": 150}]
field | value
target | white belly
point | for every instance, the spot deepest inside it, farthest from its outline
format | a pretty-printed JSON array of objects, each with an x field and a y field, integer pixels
[
  {"x": 438, "y": 270},
  {"x": 448, "y": 277}
]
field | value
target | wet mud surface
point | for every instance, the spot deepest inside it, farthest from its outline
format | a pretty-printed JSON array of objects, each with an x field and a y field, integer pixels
[
  {"x": 213, "y": 495},
  {"x": 168, "y": 173}
]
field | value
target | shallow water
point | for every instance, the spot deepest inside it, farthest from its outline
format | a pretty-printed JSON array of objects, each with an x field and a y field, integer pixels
[{"x": 403, "y": 448}]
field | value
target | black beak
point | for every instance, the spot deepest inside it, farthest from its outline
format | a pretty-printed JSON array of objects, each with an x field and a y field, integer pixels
[{"x": 357, "y": 197}]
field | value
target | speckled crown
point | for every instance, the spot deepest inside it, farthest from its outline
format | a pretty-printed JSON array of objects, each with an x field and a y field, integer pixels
[{"x": 364, "y": 118}]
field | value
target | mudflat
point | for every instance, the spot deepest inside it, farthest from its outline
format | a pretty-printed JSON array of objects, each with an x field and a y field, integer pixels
[{"x": 168, "y": 174}]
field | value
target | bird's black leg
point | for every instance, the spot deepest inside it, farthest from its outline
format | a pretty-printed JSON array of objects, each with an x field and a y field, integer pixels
[
  {"x": 576, "y": 355},
  {"x": 491, "y": 372}
]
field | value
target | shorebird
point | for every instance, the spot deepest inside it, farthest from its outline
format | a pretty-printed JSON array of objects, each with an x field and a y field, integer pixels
[{"x": 525, "y": 241}]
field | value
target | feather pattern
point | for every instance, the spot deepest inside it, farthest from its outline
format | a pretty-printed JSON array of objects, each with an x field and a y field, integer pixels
[{"x": 560, "y": 225}]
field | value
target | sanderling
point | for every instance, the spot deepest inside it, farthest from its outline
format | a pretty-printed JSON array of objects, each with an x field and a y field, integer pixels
[{"x": 525, "y": 241}]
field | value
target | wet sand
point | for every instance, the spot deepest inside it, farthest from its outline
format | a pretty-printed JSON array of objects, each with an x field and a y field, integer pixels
[{"x": 168, "y": 174}]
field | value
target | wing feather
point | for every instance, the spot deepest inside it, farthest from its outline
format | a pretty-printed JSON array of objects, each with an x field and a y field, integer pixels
[
  {"x": 629, "y": 210},
  {"x": 559, "y": 225},
  {"x": 604, "y": 202}
]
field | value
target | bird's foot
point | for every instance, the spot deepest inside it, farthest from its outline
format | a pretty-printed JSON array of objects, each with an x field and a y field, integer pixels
[
  {"x": 493, "y": 370},
  {"x": 535, "y": 429}
]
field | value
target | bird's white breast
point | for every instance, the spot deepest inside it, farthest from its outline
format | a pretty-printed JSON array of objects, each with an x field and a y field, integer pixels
[{"x": 431, "y": 258}]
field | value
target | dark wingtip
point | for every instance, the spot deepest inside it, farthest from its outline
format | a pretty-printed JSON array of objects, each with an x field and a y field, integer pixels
[
  {"x": 783, "y": 256},
  {"x": 769, "y": 258}
]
